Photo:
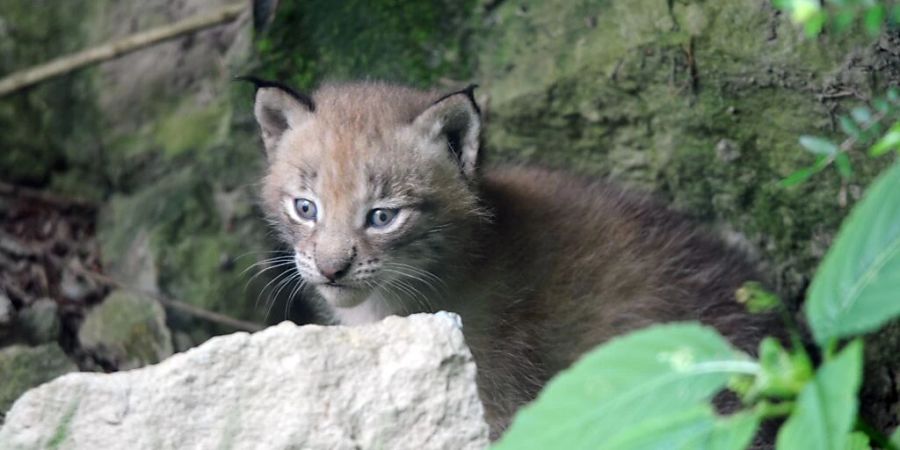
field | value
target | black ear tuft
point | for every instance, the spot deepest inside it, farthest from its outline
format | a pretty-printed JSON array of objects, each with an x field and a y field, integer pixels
[
  {"x": 278, "y": 109},
  {"x": 456, "y": 120},
  {"x": 469, "y": 92},
  {"x": 260, "y": 83}
]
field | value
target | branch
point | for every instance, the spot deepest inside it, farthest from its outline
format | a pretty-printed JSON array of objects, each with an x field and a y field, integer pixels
[
  {"x": 175, "y": 304},
  {"x": 111, "y": 50},
  {"x": 46, "y": 197}
]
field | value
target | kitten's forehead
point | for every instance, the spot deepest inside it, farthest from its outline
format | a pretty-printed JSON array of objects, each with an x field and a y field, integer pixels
[
  {"x": 367, "y": 107},
  {"x": 344, "y": 169},
  {"x": 349, "y": 154}
]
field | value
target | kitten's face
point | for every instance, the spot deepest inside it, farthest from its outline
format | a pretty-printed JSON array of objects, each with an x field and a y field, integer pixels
[{"x": 368, "y": 207}]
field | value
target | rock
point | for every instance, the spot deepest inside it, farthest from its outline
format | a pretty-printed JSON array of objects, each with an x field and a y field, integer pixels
[
  {"x": 39, "y": 322},
  {"x": 727, "y": 151},
  {"x": 403, "y": 383},
  {"x": 7, "y": 311},
  {"x": 23, "y": 367},
  {"x": 127, "y": 331}
]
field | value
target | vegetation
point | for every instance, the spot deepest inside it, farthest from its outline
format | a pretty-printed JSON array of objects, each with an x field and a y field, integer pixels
[
  {"x": 654, "y": 388},
  {"x": 411, "y": 42}
]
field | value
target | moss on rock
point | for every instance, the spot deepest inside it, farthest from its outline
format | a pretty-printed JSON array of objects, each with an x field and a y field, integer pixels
[
  {"x": 22, "y": 368},
  {"x": 412, "y": 42},
  {"x": 126, "y": 331},
  {"x": 646, "y": 93}
]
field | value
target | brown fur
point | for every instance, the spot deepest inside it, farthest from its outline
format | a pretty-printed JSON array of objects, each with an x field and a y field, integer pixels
[{"x": 540, "y": 264}]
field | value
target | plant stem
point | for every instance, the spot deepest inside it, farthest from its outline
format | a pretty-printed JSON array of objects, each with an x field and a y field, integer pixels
[{"x": 767, "y": 410}]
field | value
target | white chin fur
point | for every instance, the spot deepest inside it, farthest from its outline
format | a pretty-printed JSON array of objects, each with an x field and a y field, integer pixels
[{"x": 341, "y": 297}]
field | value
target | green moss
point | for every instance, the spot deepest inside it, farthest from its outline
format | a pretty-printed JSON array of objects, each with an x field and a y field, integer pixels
[
  {"x": 196, "y": 235},
  {"x": 128, "y": 330},
  {"x": 645, "y": 95},
  {"x": 62, "y": 430},
  {"x": 42, "y": 124},
  {"x": 22, "y": 368},
  {"x": 192, "y": 130},
  {"x": 412, "y": 42}
]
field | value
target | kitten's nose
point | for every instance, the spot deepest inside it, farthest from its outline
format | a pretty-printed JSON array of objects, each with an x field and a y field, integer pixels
[{"x": 334, "y": 270}]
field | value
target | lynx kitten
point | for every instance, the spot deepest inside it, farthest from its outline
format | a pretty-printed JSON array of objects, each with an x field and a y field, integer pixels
[{"x": 378, "y": 190}]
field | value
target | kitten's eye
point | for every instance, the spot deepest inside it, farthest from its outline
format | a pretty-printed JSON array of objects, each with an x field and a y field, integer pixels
[
  {"x": 381, "y": 217},
  {"x": 306, "y": 209}
]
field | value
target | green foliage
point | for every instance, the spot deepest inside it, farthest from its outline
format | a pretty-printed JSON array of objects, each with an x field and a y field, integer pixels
[
  {"x": 41, "y": 135},
  {"x": 826, "y": 407},
  {"x": 857, "y": 285},
  {"x": 862, "y": 127},
  {"x": 782, "y": 374},
  {"x": 650, "y": 389},
  {"x": 840, "y": 15},
  {"x": 756, "y": 298},
  {"x": 412, "y": 42}
]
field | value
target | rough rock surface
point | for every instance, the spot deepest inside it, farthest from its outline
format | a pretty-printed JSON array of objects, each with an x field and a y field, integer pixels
[
  {"x": 126, "y": 331},
  {"x": 40, "y": 321},
  {"x": 405, "y": 383}
]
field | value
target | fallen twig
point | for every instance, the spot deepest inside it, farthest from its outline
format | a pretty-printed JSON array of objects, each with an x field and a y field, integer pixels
[
  {"x": 175, "y": 304},
  {"x": 110, "y": 50},
  {"x": 45, "y": 197}
]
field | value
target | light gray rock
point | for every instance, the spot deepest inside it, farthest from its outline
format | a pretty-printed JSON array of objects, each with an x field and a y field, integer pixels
[
  {"x": 7, "y": 315},
  {"x": 7, "y": 310},
  {"x": 404, "y": 383}
]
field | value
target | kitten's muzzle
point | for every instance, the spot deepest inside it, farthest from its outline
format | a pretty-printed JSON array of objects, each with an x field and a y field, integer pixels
[
  {"x": 333, "y": 257},
  {"x": 334, "y": 270}
]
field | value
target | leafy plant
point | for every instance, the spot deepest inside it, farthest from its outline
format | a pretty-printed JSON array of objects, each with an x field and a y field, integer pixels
[
  {"x": 864, "y": 126},
  {"x": 840, "y": 15},
  {"x": 652, "y": 389}
]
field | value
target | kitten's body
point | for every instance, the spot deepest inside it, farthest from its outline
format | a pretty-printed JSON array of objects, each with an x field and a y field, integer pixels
[{"x": 541, "y": 265}]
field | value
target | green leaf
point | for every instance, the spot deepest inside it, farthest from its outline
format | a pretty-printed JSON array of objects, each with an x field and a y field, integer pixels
[
  {"x": 888, "y": 142},
  {"x": 849, "y": 127},
  {"x": 786, "y": 5},
  {"x": 842, "y": 161},
  {"x": 804, "y": 11},
  {"x": 651, "y": 379},
  {"x": 756, "y": 298},
  {"x": 783, "y": 374},
  {"x": 857, "y": 287},
  {"x": 798, "y": 177},
  {"x": 818, "y": 146},
  {"x": 873, "y": 19},
  {"x": 813, "y": 25},
  {"x": 695, "y": 428},
  {"x": 861, "y": 115},
  {"x": 843, "y": 20},
  {"x": 858, "y": 441},
  {"x": 826, "y": 408},
  {"x": 881, "y": 105},
  {"x": 895, "y": 438}
]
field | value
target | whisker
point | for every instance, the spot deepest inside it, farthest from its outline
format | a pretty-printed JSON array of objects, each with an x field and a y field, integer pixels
[
  {"x": 261, "y": 292},
  {"x": 282, "y": 284},
  {"x": 274, "y": 266},
  {"x": 290, "y": 301}
]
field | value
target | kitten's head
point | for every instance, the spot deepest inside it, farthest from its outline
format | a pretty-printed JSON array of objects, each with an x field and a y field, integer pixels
[{"x": 370, "y": 184}]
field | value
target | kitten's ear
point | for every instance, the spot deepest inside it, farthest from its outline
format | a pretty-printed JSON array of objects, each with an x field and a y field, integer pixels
[
  {"x": 278, "y": 108},
  {"x": 455, "y": 119}
]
